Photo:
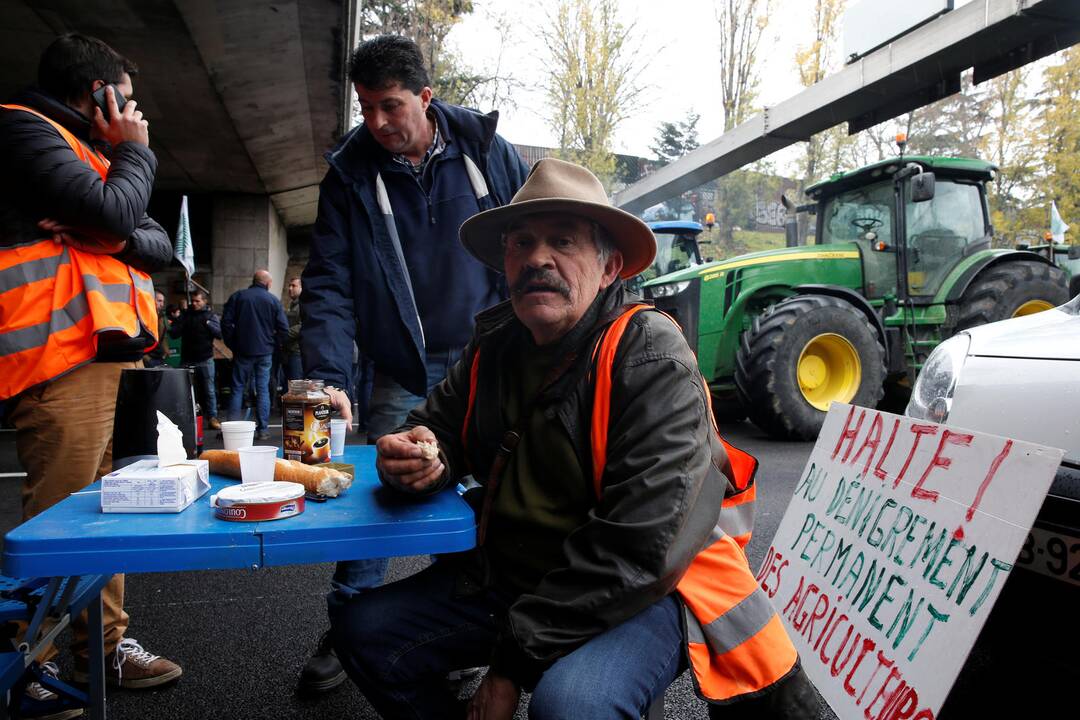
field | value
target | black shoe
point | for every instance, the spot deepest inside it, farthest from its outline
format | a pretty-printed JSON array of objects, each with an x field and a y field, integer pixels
[
  {"x": 262, "y": 435},
  {"x": 323, "y": 670}
]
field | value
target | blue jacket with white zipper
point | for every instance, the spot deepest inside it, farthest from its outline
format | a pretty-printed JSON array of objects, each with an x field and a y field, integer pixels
[{"x": 386, "y": 267}]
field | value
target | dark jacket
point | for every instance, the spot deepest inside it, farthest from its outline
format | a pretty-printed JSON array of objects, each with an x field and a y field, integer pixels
[
  {"x": 292, "y": 316},
  {"x": 253, "y": 322},
  {"x": 43, "y": 178},
  {"x": 356, "y": 285},
  {"x": 160, "y": 352},
  {"x": 196, "y": 330},
  {"x": 662, "y": 487}
]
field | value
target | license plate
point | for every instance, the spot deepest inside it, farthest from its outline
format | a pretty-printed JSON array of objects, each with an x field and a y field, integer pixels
[{"x": 1051, "y": 553}]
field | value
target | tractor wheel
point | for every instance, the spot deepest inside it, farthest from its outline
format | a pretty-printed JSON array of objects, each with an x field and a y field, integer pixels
[
  {"x": 1012, "y": 289},
  {"x": 802, "y": 354},
  {"x": 727, "y": 407}
]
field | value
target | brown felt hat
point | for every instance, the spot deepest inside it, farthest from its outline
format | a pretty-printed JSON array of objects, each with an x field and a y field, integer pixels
[{"x": 556, "y": 186}]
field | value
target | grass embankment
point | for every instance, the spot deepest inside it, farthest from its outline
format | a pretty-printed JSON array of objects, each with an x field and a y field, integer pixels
[{"x": 745, "y": 241}]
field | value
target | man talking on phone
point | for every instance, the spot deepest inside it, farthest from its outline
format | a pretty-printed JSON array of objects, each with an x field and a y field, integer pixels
[{"x": 77, "y": 304}]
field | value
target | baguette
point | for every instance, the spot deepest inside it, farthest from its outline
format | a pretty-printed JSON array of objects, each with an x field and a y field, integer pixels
[{"x": 321, "y": 481}]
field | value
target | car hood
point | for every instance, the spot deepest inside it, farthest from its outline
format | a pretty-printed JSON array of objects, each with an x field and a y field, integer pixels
[{"x": 1053, "y": 335}]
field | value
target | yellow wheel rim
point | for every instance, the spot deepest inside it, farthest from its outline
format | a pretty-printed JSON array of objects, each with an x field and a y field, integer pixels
[
  {"x": 829, "y": 370},
  {"x": 1031, "y": 307}
]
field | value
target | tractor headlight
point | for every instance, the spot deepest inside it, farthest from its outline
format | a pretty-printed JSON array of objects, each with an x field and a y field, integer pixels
[
  {"x": 667, "y": 289},
  {"x": 931, "y": 398}
]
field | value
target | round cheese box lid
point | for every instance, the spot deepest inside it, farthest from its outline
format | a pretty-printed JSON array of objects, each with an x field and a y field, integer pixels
[{"x": 259, "y": 501}]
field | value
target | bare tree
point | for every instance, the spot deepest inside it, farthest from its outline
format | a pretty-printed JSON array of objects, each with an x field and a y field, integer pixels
[
  {"x": 742, "y": 23},
  {"x": 592, "y": 79},
  {"x": 428, "y": 23},
  {"x": 814, "y": 62}
]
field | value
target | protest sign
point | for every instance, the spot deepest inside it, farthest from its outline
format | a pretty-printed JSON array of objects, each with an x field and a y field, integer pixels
[{"x": 896, "y": 543}]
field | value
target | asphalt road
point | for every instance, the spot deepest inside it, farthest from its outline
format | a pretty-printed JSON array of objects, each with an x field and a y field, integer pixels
[{"x": 242, "y": 637}]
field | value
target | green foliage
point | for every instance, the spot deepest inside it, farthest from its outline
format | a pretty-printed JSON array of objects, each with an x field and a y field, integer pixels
[
  {"x": 673, "y": 140},
  {"x": 741, "y": 24},
  {"x": 1059, "y": 134},
  {"x": 591, "y": 84},
  {"x": 428, "y": 23}
]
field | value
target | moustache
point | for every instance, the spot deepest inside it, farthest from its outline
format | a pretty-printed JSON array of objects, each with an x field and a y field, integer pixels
[{"x": 539, "y": 279}]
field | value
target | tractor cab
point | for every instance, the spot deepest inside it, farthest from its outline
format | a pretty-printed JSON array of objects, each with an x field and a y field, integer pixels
[
  {"x": 676, "y": 249},
  {"x": 914, "y": 219}
]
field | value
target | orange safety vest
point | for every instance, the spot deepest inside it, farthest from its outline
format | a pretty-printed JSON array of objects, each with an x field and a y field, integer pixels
[
  {"x": 736, "y": 640},
  {"x": 55, "y": 300},
  {"x": 737, "y": 644}
]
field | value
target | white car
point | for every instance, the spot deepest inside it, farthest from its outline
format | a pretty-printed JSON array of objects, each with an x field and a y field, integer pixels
[{"x": 1019, "y": 378}]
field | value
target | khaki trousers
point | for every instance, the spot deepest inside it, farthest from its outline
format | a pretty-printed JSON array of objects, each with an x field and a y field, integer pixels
[{"x": 64, "y": 439}]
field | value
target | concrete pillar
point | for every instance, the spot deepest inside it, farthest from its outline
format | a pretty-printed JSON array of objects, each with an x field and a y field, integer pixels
[{"x": 247, "y": 235}]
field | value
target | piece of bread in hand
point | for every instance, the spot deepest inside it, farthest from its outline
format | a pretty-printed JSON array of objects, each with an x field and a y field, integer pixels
[{"x": 430, "y": 449}]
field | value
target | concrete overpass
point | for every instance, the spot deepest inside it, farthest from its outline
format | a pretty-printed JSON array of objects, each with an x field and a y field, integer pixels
[
  {"x": 243, "y": 98},
  {"x": 991, "y": 36}
]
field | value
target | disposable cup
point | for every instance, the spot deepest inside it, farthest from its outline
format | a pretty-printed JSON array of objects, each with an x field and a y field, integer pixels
[
  {"x": 338, "y": 430},
  {"x": 257, "y": 464},
  {"x": 238, "y": 434}
]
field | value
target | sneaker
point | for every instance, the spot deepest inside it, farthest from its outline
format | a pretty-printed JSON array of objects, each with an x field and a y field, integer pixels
[
  {"x": 323, "y": 670},
  {"x": 130, "y": 666},
  {"x": 41, "y": 703},
  {"x": 262, "y": 435},
  {"x": 214, "y": 423}
]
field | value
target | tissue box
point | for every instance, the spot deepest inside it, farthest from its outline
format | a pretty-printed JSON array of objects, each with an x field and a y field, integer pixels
[{"x": 143, "y": 487}]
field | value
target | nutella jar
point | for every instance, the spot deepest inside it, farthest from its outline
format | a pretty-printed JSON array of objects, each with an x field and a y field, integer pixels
[{"x": 305, "y": 422}]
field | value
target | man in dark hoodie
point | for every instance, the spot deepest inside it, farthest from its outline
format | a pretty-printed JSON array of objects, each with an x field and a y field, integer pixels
[
  {"x": 386, "y": 269},
  {"x": 76, "y": 300},
  {"x": 197, "y": 327}
]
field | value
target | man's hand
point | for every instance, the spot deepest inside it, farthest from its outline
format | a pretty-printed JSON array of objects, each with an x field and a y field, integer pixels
[
  {"x": 126, "y": 126},
  {"x": 495, "y": 699},
  {"x": 401, "y": 460},
  {"x": 339, "y": 401},
  {"x": 99, "y": 243}
]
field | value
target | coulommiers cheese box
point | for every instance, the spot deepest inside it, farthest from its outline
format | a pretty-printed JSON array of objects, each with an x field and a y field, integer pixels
[{"x": 143, "y": 487}]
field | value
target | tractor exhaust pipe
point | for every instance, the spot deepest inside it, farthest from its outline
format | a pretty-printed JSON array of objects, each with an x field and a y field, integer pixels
[{"x": 791, "y": 223}]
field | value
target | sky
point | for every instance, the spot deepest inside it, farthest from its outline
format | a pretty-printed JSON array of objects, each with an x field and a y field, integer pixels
[{"x": 677, "y": 37}]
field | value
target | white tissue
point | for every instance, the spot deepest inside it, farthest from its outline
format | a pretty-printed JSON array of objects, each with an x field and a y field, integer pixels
[{"x": 170, "y": 442}]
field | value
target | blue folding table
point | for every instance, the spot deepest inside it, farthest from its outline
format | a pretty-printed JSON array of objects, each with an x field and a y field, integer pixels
[{"x": 74, "y": 538}]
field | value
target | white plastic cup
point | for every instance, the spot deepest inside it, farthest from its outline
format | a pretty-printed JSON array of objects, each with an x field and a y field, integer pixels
[
  {"x": 339, "y": 428},
  {"x": 257, "y": 464},
  {"x": 238, "y": 434}
]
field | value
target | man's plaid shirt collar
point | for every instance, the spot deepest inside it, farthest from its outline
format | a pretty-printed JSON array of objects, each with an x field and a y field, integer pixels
[{"x": 437, "y": 146}]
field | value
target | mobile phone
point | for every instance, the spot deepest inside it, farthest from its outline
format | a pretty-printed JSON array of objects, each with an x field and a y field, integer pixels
[{"x": 102, "y": 102}]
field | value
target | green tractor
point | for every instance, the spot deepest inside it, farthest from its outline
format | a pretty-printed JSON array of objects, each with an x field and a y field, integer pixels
[{"x": 902, "y": 261}]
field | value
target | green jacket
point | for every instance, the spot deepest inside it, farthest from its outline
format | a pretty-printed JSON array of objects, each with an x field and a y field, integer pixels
[
  {"x": 662, "y": 486},
  {"x": 292, "y": 317}
]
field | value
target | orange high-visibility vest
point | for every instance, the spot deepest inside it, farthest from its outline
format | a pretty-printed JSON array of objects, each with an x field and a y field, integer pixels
[
  {"x": 55, "y": 300},
  {"x": 736, "y": 642}
]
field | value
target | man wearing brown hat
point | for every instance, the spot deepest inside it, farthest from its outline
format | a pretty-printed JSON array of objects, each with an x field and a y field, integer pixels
[{"x": 601, "y": 570}]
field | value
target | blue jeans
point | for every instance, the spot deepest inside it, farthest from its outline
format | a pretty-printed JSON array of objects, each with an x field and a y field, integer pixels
[
  {"x": 204, "y": 386},
  {"x": 399, "y": 641},
  {"x": 389, "y": 406},
  {"x": 247, "y": 369}
]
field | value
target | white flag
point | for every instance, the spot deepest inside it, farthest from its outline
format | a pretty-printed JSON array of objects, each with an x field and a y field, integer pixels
[
  {"x": 185, "y": 251},
  {"x": 1057, "y": 225}
]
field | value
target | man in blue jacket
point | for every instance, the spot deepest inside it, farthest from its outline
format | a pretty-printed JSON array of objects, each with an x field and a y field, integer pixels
[
  {"x": 386, "y": 269},
  {"x": 253, "y": 325}
]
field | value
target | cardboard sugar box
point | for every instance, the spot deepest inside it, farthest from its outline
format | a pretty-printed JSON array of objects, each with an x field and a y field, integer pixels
[{"x": 144, "y": 487}]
